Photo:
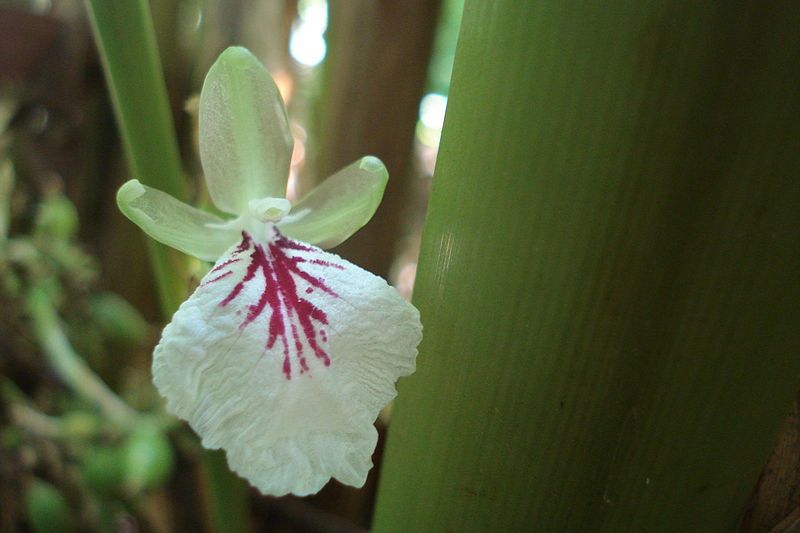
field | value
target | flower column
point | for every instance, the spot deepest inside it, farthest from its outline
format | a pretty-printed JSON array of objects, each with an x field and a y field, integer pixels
[{"x": 609, "y": 271}]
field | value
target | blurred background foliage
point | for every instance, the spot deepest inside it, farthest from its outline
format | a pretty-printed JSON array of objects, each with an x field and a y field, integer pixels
[{"x": 84, "y": 443}]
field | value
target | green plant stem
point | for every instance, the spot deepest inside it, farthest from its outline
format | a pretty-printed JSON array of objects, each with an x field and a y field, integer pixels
[
  {"x": 126, "y": 39},
  {"x": 69, "y": 365},
  {"x": 6, "y": 186},
  {"x": 609, "y": 273},
  {"x": 35, "y": 421},
  {"x": 127, "y": 44},
  {"x": 227, "y": 499}
]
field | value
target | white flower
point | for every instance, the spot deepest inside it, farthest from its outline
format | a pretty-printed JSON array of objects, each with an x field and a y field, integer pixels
[{"x": 285, "y": 354}]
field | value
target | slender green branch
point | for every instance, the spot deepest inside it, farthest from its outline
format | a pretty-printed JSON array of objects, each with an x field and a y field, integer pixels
[
  {"x": 6, "y": 185},
  {"x": 127, "y": 44},
  {"x": 35, "y": 421},
  {"x": 68, "y": 364}
]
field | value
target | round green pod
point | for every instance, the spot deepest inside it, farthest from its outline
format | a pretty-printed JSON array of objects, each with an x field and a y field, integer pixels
[
  {"x": 103, "y": 469},
  {"x": 47, "y": 509}
]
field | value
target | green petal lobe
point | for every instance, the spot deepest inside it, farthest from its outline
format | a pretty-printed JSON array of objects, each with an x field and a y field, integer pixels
[
  {"x": 171, "y": 222},
  {"x": 339, "y": 206},
  {"x": 245, "y": 141}
]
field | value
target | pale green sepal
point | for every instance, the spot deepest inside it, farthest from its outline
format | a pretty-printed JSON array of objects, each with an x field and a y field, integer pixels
[
  {"x": 339, "y": 206},
  {"x": 245, "y": 141},
  {"x": 171, "y": 222}
]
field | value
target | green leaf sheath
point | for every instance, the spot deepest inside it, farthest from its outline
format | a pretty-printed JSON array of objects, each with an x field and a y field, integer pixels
[
  {"x": 125, "y": 37},
  {"x": 608, "y": 278}
]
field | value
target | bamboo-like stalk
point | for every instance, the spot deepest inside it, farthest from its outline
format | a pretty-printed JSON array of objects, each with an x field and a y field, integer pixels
[
  {"x": 126, "y": 39},
  {"x": 608, "y": 278}
]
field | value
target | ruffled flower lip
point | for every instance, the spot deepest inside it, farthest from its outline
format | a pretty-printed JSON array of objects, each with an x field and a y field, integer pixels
[{"x": 293, "y": 320}]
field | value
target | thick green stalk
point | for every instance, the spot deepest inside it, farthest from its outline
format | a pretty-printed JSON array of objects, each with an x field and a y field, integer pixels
[
  {"x": 126, "y": 39},
  {"x": 608, "y": 278}
]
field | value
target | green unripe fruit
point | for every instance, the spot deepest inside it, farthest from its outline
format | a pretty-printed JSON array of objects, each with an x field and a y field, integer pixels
[
  {"x": 47, "y": 509},
  {"x": 148, "y": 458},
  {"x": 103, "y": 469}
]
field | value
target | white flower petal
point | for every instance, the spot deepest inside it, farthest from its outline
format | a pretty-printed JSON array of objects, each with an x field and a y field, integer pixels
[
  {"x": 283, "y": 357},
  {"x": 245, "y": 141},
  {"x": 339, "y": 206},
  {"x": 174, "y": 223}
]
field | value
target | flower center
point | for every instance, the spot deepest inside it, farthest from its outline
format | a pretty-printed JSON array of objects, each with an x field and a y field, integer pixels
[{"x": 269, "y": 209}]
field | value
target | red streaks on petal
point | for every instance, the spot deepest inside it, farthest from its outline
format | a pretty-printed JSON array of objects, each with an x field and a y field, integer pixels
[
  {"x": 252, "y": 268},
  {"x": 224, "y": 264},
  {"x": 221, "y": 276},
  {"x": 321, "y": 262},
  {"x": 227, "y": 262},
  {"x": 288, "y": 244},
  {"x": 289, "y": 313}
]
